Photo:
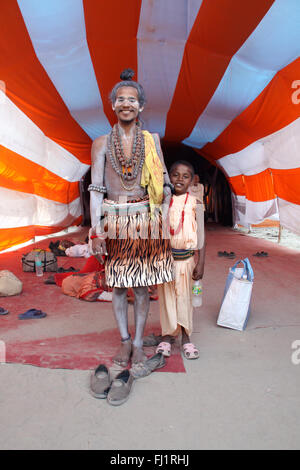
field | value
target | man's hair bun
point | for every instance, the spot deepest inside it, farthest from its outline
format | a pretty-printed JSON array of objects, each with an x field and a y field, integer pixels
[
  {"x": 127, "y": 75},
  {"x": 126, "y": 80}
]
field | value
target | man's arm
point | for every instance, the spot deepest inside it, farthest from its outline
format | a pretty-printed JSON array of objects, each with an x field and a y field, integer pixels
[
  {"x": 97, "y": 244},
  {"x": 167, "y": 183},
  {"x": 97, "y": 178}
]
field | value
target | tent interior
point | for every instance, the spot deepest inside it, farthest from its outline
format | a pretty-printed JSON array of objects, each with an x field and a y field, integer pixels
[{"x": 222, "y": 84}]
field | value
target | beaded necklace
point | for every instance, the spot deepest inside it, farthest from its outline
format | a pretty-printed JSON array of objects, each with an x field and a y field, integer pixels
[
  {"x": 127, "y": 168},
  {"x": 172, "y": 231}
]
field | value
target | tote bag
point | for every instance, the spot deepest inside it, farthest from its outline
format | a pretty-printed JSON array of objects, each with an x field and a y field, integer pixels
[{"x": 235, "y": 308}]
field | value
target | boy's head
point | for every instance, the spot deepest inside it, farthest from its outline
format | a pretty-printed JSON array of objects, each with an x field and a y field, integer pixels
[{"x": 181, "y": 176}]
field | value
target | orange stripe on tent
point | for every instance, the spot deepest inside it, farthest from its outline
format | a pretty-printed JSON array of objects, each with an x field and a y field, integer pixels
[
  {"x": 111, "y": 29},
  {"x": 15, "y": 236},
  {"x": 268, "y": 185},
  {"x": 20, "y": 174},
  {"x": 30, "y": 88},
  {"x": 220, "y": 29},
  {"x": 287, "y": 184},
  {"x": 272, "y": 110},
  {"x": 259, "y": 187},
  {"x": 237, "y": 185}
]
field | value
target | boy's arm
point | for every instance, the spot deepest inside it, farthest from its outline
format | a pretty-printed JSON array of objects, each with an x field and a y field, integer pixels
[{"x": 200, "y": 252}]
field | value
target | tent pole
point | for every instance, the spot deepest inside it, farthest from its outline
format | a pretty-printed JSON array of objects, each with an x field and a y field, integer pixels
[{"x": 279, "y": 234}]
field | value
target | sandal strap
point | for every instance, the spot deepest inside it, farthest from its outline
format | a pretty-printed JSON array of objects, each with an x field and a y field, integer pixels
[
  {"x": 189, "y": 347},
  {"x": 164, "y": 345}
]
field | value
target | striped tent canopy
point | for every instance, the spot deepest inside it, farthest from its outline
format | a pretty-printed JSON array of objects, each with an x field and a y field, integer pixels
[{"x": 221, "y": 76}]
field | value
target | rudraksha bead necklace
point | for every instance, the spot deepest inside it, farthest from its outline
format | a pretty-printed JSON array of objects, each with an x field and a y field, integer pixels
[{"x": 126, "y": 168}]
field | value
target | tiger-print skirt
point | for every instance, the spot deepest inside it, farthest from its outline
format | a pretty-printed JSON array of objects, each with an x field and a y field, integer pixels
[{"x": 138, "y": 254}]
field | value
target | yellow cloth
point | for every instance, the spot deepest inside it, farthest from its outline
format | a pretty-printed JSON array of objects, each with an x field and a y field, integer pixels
[{"x": 152, "y": 173}]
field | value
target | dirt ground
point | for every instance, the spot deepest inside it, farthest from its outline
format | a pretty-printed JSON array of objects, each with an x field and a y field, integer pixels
[{"x": 272, "y": 233}]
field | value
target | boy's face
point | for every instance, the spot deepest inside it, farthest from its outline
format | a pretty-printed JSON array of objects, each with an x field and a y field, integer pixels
[{"x": 181, "y": 177}]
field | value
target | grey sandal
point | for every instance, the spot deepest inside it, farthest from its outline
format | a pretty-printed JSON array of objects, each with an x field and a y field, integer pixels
[
  {"x": 155, "y": 362},
  {"x": 120, "y": 388},
  {"x": 100, "y": 382}
]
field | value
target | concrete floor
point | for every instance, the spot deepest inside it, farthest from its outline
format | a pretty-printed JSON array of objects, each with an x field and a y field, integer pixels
[{"x": 242, "y": 393}]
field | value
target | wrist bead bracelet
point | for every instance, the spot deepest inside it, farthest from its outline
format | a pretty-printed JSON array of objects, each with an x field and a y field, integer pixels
[{"x": 99, "y": 189}]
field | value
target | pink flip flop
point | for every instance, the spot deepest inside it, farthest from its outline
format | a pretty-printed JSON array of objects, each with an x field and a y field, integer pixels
[
  {"x": 164, "y": 348},
  {"x": 190, "y": 351}
]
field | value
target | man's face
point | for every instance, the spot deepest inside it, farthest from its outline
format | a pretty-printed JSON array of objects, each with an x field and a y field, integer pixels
[{"x": 126, "y": 105}]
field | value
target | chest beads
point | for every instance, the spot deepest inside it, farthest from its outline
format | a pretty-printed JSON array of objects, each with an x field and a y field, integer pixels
[{"x": 127, "y": 168}]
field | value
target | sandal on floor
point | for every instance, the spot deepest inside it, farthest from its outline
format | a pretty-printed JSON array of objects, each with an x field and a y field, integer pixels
[
  {"x": 226, "y": 254},
  {"x": 261, "y": 253},
  {"x": 120, "y": 388},
  {"x": 100, "y": 382},
  {"x": 151, "y": 340},
  {"x": 190, "y": 351},
  {"x": 222, "y": 253},
  {"x": 32, "y": 313},
  {"x": 3, "y": 311},
  {"x": 164, "y": 348},
  {"x": 155, "y": 362}
]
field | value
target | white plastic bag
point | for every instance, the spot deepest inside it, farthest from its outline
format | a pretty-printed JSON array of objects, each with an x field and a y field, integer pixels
[
  {"x": 235, "y": 308},
  {"x": 9, "y": 284}
]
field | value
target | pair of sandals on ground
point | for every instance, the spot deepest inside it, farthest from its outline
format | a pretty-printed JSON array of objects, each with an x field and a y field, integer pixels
[
  {"x": 116, "y": 389},
  {"x": 164, "y": 343},
  {"x": 189, "y": 350}
]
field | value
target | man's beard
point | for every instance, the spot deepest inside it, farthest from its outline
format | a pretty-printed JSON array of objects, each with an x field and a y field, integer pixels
[{"x": 127, "y": 121}]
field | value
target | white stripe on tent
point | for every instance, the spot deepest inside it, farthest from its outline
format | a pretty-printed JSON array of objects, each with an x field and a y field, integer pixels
[
  {"x": 163, "y": 30},
  {"x": 21, "y": 210},
  {"x": 249, "y": 212},
  {"x": 272, "y": 45},
  {"x": 20, "y": 135},
  {"x": 289, "y": 214},
  {"x": 269, "y": 152},
  {"x": 57, "y": 31}
]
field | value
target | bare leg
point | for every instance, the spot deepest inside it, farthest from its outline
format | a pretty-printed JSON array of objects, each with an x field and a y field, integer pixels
[
  {"x": 141, "y": 309},
  {"x": 184, "y": 337},
  {"x": 166, "y": 339},
  {"x": 120, "y": 308},
  {"x": 190, "y": 351}
]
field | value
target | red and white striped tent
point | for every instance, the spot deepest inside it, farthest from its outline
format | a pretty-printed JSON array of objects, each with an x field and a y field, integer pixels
[{"x": 221, "y": 76}]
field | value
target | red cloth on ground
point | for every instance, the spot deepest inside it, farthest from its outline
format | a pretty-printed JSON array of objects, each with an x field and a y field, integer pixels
[{"x": 91, "y": 265}]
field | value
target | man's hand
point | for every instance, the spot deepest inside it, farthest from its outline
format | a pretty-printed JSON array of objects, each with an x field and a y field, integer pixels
[
  {"x": 97, "y": 247},
  {"x": 165, "y": 219}
]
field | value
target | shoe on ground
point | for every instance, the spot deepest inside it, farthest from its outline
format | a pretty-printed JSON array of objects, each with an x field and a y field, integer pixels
[
  {"x": 100, "y": 382},
  {"x": 120, "y": 388}
]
